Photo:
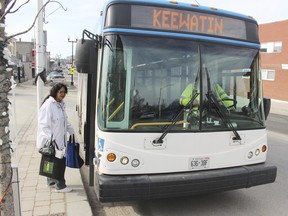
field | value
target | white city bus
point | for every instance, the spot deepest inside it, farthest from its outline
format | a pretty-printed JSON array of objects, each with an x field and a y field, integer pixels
[{"x": 141, "y": 142}]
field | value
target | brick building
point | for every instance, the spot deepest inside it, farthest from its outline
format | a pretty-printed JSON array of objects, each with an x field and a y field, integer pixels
[{"x": 274, "y": 59}]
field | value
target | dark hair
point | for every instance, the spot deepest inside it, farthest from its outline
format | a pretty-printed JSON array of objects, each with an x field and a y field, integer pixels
[{"x": 55, "y": 89}]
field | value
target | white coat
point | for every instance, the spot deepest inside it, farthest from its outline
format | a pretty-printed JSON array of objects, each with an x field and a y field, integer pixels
[{"x": 53, "y": 120}]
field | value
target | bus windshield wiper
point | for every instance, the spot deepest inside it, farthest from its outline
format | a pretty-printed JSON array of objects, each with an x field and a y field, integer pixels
[
  {"x": 221, "y": 114},
  {"x": 173, "y": 121}
]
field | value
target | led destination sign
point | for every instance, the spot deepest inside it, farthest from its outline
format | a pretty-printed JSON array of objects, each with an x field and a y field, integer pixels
[
  {"x": 181, "y": 21},
  {"x": 187, "y": 21}
]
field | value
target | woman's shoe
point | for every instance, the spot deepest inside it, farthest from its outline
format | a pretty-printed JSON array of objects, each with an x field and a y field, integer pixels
[
  {"x": 51, "y": 185},
  {"x": 64, "y": 190}
]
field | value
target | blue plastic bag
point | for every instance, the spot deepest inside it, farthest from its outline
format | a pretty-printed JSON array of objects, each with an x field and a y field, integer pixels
[{"x": 73, "y": 159}]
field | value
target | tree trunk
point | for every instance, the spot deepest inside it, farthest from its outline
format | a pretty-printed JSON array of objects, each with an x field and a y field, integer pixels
[{"x": 6, "y": 192}]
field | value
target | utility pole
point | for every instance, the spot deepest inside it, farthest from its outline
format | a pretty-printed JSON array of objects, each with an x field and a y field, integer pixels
[
  {"x": 72, "y": 63},
  {"x": 40, "y": 57}
]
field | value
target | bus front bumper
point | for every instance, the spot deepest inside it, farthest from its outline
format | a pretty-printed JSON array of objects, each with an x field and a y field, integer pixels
[{"x": 110, "y": 188}]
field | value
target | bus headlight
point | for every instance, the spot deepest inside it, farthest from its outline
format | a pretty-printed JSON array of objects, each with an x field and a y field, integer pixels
[
  {"x": 124, "y": 160},
  {"x": 250, "y": 155},
  {"x": 257, "y": 152},
  {"x": 135, "y": 162}
]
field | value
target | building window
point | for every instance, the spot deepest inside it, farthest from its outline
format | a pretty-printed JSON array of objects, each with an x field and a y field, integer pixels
[
  {"x": 268, "y": 74},
  {"x": 284, "y": 66},
  {"x": 271, "y": 47}
]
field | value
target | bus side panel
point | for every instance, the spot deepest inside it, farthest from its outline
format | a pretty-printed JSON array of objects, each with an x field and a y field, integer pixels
[
  {"x": 82, "y": 97},
  {"x": 82, "y": 104}
]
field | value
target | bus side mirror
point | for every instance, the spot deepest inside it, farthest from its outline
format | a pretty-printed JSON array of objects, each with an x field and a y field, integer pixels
[
  {"x": 86, "y": 56},
  {"x": 267, "y": 106}
]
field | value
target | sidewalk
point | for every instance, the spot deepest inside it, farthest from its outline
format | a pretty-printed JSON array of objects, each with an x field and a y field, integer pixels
[
  {"x": 36, "y": 198},
  {"x": 279, "y": 107}
]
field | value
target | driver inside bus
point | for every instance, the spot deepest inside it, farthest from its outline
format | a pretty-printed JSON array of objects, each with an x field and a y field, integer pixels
[
  {"x": 187, "y": 95},
  {"x": 191, "y": 115},
  {"x": 220, "y": 94}
]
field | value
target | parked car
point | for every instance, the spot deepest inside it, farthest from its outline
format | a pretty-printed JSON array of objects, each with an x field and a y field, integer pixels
[
  {"x": 56, "y": 72},
  {"x": 55, "y": 78}
]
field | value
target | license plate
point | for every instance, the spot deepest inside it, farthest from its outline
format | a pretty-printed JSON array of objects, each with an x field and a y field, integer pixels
[{"x": 199, "y": 163}]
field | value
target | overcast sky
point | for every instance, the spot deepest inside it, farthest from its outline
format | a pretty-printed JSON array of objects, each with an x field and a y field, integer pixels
[{"x": 83, "y": 14}]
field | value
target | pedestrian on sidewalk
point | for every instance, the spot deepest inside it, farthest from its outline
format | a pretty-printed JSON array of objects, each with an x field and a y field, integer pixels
[{"x": 53, "y": 123}]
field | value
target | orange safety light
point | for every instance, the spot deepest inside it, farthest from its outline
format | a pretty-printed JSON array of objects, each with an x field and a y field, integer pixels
[
  {"x": 111, "y": 157},
  {"x": 264, "y": 148}
]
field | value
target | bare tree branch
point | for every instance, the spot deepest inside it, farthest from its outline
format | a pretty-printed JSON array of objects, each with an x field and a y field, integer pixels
[
  {"x": 7, "y": 11},
  {"x": 20, "y": 33},
  {"x": 19, "y": 6}
]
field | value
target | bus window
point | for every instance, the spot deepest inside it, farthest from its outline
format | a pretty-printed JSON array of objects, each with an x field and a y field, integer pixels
[
  {"x": 230, "y": 81},
  {"x": 114, "y": 58},
  {"x": 143, "y": 80}
]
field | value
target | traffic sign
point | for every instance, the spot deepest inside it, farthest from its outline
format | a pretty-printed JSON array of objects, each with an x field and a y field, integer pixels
[{"x": 72, "y": 70}]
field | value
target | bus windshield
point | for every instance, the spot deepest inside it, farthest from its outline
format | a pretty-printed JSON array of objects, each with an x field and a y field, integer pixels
[{"x": 149, "y": 83}]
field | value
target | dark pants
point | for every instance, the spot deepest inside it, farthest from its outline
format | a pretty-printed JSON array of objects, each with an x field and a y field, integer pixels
[{"x": 59, "y": 182}]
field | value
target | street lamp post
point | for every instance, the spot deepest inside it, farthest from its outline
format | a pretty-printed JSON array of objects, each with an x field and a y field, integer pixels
[{"x": 72, "y": 65}]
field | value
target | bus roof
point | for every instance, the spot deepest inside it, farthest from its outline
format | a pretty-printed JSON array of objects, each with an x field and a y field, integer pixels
[{"x": 185, "y": 6}]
